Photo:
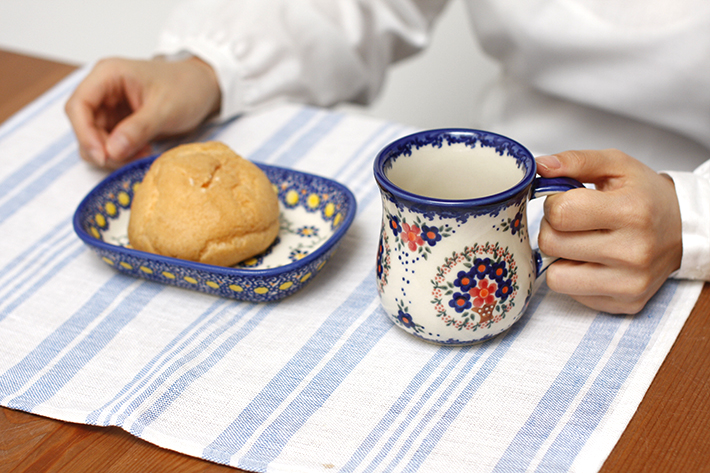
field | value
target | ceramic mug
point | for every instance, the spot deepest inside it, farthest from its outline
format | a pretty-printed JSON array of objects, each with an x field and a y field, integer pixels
[{"x": 454, "y": 262}]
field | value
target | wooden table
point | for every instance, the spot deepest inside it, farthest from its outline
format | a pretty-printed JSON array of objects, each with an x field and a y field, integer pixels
[{"x": 670, "y": 432}]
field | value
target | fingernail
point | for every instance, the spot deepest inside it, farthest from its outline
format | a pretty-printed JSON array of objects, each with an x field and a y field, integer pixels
[
  {"x": 550, "y": 163},
  {"x": 118, "y": 146},
  {"x": 97, "y": 156}
]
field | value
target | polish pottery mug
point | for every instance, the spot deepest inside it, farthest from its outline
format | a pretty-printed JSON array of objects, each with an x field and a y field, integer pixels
[{"x": 454, "y": 261}]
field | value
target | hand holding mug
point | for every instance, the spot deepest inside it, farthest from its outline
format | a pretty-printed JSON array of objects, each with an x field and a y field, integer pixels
[
  {"x": 454, "y": 263},
  {"x": 620, "y": 241}
]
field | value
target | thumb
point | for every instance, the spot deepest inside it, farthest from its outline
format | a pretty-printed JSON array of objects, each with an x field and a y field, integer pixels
[
  {"x": 586, "y": 166},
  {"x": 131, "y": 135}
]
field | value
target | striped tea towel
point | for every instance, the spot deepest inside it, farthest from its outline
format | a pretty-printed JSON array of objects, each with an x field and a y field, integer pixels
[{"x": 320, "y": 381}]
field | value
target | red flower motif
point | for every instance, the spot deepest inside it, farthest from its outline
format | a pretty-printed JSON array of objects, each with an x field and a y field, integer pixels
[
  {"x": 483, "y": 294},
  {"x": 411, "y": 236}
]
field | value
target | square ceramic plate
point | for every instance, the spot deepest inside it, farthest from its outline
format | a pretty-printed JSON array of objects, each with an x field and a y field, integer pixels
[{"x": 315, "y": 214}]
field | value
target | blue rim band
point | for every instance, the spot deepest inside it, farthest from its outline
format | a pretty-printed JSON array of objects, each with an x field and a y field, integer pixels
[{"x": 502, "y": 144}]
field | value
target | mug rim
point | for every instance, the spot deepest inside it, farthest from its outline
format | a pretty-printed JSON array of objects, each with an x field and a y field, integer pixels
[{"x": 521, "y": 152}]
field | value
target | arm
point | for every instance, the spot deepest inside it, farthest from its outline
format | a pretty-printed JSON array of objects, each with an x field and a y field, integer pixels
[
  {"x": 312, "y": 51},
  {"x": 236, "y": 55}
]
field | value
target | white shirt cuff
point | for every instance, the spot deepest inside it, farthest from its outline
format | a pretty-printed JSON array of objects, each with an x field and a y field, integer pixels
[
  {"x": 224, "y": 66},
  {"x": 693, "y": 191}
]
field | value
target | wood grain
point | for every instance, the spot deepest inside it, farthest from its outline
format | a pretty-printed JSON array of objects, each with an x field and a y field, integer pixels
[
  {"x": 30, "y": 444},
  {"x": 24, "y": 78},
  {"x": 670, "y": 431}
]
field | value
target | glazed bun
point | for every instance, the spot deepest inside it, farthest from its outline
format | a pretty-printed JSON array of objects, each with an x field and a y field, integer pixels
[{"x": 203, "y": 202}]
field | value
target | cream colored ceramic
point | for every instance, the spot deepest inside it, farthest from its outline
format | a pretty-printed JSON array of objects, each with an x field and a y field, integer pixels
[{"x": 454, "y": 263}]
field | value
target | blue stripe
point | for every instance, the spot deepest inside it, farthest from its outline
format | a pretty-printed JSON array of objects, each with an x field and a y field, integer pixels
[
  {"x": 430, "y": 393},
  {"x": 370, "y": 192},
  {"x": 397, "y": 408},
  {"x": 234, "y": 437},
  {"x": 16, "y": 377},
  {"x": 143, "y": 376},
  {"x": 555, "y": 402},
  {"x": 283, "y": 134},
  {"x": 507, "y": 340},
  {"x": 606, "y": 386},
  {"x": 373, "y": 191},
  {"x": 30, "y": 291},
  {"x": 367, "y": 159},
  {"x": 59, "y": 232},
  {"x": 37, "y": 187},
  {"x": 360, "y": 151},
  {"x": 289, "y": 377},
  {"x": 270, "y": 145},
  {"x": 206, "y": 132},
  {"x": 211, "y": 131},
  {"x": 72, "y": 362},
  {"x": 306, "y": 142},
  {"x": 29, "y": 113},
  {"x": 362, "y": 171},
  {"x": 275, "y": 437},
  {"x": 30, "y": 167},
  {"x": 185, "y": 360},
  {"x": 181, "y": 384},
  {"x": 33, "y": 266},
  {"x": 427, "y": 418}
]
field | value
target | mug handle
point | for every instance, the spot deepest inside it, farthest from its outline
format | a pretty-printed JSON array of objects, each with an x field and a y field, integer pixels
[{"x": 541, "y": 187}]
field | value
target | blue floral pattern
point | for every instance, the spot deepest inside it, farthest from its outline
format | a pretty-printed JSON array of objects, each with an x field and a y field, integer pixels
[
  {"x": 411, "y": 239},
  {"x": 383, "y": 261},
  {"x": 316, "y": 213},
  {"x": 480, "y": 295},
  {"x": 475, "y": 286},
  {"x": 405, "y": 319}
]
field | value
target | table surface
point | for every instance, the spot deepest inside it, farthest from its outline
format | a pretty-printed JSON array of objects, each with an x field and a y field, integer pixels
[{"x": 670, "y": 431}]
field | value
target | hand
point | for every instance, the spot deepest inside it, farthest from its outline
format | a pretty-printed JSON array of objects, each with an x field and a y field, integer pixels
[
  {"x": 124, "y": 104},
  {"x": 620, "y": 241}
]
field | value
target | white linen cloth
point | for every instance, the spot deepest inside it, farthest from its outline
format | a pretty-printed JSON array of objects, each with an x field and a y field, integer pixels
[
  {"x": 321, "y": 381},
  {"x": 632, "y": 75}
]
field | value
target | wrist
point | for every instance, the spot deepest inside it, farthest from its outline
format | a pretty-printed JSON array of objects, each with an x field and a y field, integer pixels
[{"x": 210, "y": 84}]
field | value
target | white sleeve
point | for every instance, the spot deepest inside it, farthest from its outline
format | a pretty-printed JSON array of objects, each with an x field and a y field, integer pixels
[
  {"x": 648, "y": 60},
  {"x": 693, "y": 191},
  {"x": 313, "y": 51}
]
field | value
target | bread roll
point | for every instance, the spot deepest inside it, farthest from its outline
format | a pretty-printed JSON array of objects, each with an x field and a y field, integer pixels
[{"x": 203, "y": 202}]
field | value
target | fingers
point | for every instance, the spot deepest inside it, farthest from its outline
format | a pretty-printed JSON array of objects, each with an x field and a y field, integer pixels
[
  {"x": 580, "y": 210},
  {"x": 603, "y": 287},
  {"x": 625, "y": 194},
  {"x": 619, "y": 241},
  {"x": 123, "y": 104},
  {"x": 98, "y": 103},
  {"x": 91, "y": 139},
  {"x": 588, "y": 209},
  {"x": 82, "y": 109},
  {"x": 574, "y": 246},
  {"x": 132, "y": 135},
  {"x": 590, "y": 279},
  {"x": 587, "y": 166}
]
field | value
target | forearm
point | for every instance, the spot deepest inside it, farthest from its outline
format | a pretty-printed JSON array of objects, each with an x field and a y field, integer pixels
[{"x": 319, "y": 52}]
